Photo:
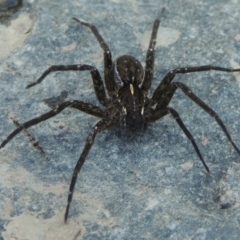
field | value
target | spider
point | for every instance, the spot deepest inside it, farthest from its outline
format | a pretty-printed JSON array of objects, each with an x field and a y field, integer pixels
[{"x": 125, "y": 99}]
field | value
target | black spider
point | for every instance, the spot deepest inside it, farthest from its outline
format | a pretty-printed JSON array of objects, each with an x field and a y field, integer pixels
[{"x": 127, "y": 102}]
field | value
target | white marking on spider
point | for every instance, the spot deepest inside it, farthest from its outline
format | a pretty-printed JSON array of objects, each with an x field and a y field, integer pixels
[{"x": 131, "y": 89}]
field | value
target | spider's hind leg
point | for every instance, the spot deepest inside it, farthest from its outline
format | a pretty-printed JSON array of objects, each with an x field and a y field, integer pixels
[
  {"x": 157, "y": 114},
  {"x": 31, "y": 138},
  {"x": 99, "y": 126},
  {"x": 82, "y": 106},
  {"x": 169, "y": 92}
]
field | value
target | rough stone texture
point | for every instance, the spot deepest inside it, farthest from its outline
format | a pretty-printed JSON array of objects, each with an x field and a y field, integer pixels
[{"x": 151, "y": 186}]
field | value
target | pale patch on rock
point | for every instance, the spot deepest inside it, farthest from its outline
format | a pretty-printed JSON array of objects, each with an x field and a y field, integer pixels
[
  {"x": 236, "y": 74},
  {"x": 69, "y": 47},
  {"x": 166, "y": 37},
  {"x": 15, "y": 34}
]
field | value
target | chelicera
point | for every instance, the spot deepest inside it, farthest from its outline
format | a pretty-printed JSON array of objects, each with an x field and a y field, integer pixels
[{"x": 124, "y": 97}]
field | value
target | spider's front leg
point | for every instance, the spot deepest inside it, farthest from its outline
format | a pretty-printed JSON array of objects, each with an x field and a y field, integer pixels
[
  {"x": 151, "y": 56},
  {"x": 100, "y": 126},
  {"x": 96, "y": 78},
  {"x": 108, "y": 64},
  {"x": 171, "y": 74}
]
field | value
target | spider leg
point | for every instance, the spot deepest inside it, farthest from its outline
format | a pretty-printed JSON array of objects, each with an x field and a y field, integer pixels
[
  {"x": 97, "y": 81},
  {"x": 171, "y": 74},
  {"x": 108, "y": 64},
  {"x": 82, "y": 106},
  {"x": 154, "y": 115},
  {"x": 150, "y": 57},
  {"x": 162, "y": 112},
  {"x": 31, "y": 138},
  {"x": 175, "y": 85},
  {"x": 100, "y": 126}
]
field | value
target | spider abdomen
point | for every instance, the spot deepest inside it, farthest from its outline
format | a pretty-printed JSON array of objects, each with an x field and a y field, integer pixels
[{"x": 128, "y": 70}]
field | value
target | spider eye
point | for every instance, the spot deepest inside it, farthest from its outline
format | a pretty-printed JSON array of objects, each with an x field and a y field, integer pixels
[{"x": 127, "y": 70}]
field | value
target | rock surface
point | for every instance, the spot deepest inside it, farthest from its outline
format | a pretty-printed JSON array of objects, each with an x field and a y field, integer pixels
[{"x": 151, "y": 186}]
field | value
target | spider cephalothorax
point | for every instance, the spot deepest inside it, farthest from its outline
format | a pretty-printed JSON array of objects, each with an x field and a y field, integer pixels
[
  {"x": 128, "y": 75},
  {"x": 132, "y": 102},
  {"x": 127, "y": 85}
]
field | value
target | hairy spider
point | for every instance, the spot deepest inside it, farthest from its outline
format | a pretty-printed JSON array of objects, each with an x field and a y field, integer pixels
[{"x": 127, "y": 85}]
